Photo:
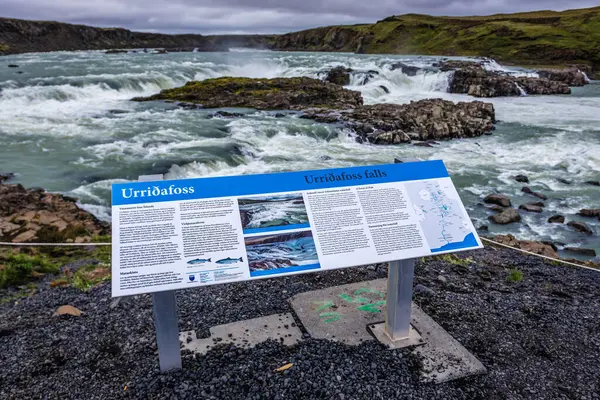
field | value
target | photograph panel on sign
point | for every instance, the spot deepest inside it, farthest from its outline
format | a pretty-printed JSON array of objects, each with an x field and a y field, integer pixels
[
  {"x": 273, "y": 213},
  {"x": 281, "y": 253}
]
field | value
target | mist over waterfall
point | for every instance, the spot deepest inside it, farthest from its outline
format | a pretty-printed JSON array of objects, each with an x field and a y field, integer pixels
[{"x": 69, "y": 126}]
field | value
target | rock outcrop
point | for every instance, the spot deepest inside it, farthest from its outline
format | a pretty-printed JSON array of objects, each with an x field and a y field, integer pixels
[
  {"x": 431, "y": 119},
  {"x": 556, "y": 219},
  {"x": 569, "y": 76},
  {"x": 472, "y": 79},
  {"x": 339, "y": 76},
  {"x": 262, "y": 94},
  {"x": 33, "y": 215},
  {"x": 544, "y": 249}
]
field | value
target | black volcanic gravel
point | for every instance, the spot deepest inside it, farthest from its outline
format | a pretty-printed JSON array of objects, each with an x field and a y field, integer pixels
[{"x": 539, "y": 339}]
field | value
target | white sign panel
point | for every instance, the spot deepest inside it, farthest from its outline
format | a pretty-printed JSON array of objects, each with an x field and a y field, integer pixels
[{"x": 186, "y": 233}]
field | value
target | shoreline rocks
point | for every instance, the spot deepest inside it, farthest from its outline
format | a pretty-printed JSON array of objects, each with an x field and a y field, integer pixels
[
  {"x": 541, "y": 248},
  {"x": 28, "y": 215},
  {"x": 430, "y": 119},
  {"x": 262, "y": 94}
]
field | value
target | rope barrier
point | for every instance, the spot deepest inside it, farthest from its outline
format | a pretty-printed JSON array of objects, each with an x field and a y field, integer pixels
[
  {"x": 539, "y": 255},
  {"x": 483, "y": 239}
]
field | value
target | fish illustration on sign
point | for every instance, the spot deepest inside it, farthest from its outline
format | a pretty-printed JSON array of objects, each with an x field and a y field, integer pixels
[
  {"x": 199, "y": 261},
  {"x": 229, "y": 260}
]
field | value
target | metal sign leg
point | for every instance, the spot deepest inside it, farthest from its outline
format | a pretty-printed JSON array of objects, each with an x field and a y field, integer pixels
[
  {"x": 167, "y": 330},
  {"x": 399, "y": 298},
  {"x": 165, "y": 319}
]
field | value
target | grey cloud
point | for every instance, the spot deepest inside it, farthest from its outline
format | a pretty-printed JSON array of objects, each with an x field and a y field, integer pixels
[{"x": 254, "y": 16}]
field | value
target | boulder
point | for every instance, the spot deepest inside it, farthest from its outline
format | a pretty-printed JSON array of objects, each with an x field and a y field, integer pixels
[
  {"x": 569, "y": 76},
  {"x": 13, "y": 66},
  {"x": 339, "y": 76},
  {"x": 580, "y": 227},
  {"x": 581, "y": 251},
  {"x": 541, "y": 248},
  {"x": 115, "y": 51},
  {"x": 593, "y": 183},
  {"x": 408, "y": 70},
  {"x": 564, "y": 181},
  {"x": 557, "y": 219},
  {"x": 507, "y": 216},
  {"x": 530, "y": 208},
  {"x": 385, "y": 89},
  {"x": 262, "y": 94},
  {"x": 522, "y": 178},
  {"x": 528, "y": 190},
  {"x": 499, "y": 199},
  {"x": 430, "y": 119},
  {"x": 589, "y": 212}
]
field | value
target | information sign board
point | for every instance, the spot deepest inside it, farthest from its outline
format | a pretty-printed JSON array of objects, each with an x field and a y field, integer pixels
[{"x": 187, "y": 233}]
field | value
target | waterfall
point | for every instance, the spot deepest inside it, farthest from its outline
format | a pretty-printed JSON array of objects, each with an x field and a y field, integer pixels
[{"x": 521, "y": 90}]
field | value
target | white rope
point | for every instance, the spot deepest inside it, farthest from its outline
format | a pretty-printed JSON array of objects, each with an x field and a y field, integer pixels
[
  {"x": 539, "y": 255},
  {"x": 54, "y": 244}
]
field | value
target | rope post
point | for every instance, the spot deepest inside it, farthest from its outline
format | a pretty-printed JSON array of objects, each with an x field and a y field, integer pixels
[{"x": 164, "y": 305}]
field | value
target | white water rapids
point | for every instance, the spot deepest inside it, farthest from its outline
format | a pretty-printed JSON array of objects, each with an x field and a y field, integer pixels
[{"x": 67, "y": 125}]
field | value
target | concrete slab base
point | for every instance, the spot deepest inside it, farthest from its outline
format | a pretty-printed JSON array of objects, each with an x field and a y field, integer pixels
[
  {"x": 245, "y": 334},
  {"x": 413, "y": 339},
  {"x": 343, "y": 313}
]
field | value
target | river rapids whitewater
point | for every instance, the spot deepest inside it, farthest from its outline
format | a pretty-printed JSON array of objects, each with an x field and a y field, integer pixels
[{"x": 67, "y": 125}]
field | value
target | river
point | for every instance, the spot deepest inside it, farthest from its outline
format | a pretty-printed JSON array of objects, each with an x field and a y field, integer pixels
[{"x": 67, "y": 125}]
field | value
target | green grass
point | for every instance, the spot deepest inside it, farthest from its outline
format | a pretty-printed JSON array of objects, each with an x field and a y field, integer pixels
[
  {"x": 22, "y": 266},
  {"x": 514, "y": 276},
  {"x": 4, "y": 48},
  {"x": 89, "y": 276},
  {"x": 455, "y": 260},
  {"x": 19, "y": 268}
]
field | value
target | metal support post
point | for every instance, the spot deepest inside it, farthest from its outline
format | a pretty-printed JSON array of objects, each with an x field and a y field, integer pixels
[
  {"x": 165, "y": 318},
  {"x": 399, "y": 298}
]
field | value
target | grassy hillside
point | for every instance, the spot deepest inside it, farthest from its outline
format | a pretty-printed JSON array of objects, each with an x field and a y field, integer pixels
[{"x": 543, "y": 37}]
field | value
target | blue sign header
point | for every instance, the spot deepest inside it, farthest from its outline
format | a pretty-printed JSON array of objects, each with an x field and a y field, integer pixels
[{"x": 227, "y": 186}]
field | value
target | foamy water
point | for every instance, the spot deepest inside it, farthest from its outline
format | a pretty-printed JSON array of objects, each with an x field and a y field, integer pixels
[{"x": 67, "y": 125}]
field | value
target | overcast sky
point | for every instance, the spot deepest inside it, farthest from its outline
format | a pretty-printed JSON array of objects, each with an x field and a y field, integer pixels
[{"x": 255, "y": 16}]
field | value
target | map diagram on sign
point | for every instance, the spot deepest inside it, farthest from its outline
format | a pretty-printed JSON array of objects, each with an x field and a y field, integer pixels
[{"x": 443, "y": 219}]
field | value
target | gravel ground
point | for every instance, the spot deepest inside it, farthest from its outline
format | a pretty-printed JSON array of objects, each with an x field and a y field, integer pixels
[{"x": 539, "y": 339}]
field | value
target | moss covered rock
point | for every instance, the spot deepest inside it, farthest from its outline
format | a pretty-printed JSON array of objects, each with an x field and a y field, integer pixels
[{"x": 262, "y": 94}]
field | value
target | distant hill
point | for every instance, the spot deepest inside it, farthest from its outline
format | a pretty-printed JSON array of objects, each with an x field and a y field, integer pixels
[
  {"x": 533, "y": 38},
  {"x": 21, "y": 36}
]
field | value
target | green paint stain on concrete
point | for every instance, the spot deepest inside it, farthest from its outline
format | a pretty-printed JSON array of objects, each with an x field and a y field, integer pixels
[
  {"x": 330, "y": 317},
  {"x": 372, "y": 308}
]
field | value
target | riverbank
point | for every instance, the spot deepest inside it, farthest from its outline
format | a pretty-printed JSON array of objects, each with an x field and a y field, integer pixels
[{"x": 532, "y": 324}]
